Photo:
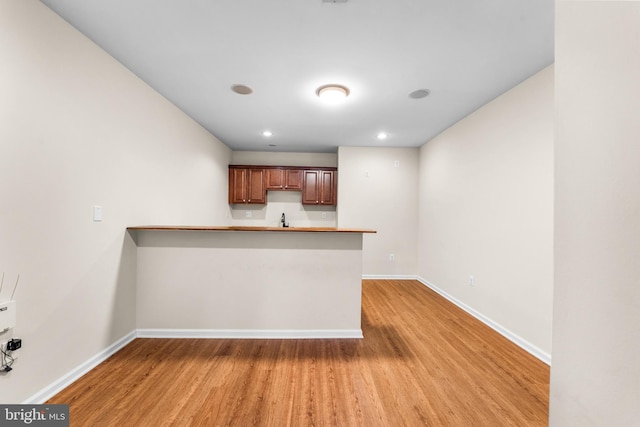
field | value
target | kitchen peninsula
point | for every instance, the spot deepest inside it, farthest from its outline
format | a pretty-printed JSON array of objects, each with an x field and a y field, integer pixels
[{"x": 248, "y": 282}]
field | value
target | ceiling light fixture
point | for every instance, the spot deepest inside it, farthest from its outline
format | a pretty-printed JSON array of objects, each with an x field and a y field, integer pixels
[
  {"x": 267, "y": 133},
  {"x": 382, "y": 135},
  {"x": 332, "y": 93}
]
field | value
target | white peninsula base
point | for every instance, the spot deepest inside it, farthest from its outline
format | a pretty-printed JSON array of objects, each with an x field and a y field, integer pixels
[{"x": 240, "y": 282}]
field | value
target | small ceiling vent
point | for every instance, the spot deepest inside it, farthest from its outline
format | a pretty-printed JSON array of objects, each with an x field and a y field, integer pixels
[{"x": 420, "y": 93}]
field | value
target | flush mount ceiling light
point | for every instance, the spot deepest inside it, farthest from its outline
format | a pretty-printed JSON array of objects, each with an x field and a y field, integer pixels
[
  {"x": 382, "y": 135},
  {"x": 332, "y": 93},
  {"x": 242, "y": 89},
  {"x": 267, "y": 133}
]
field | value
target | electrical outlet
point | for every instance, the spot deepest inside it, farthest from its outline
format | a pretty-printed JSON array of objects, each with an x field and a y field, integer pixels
[
  {"x": 248, "y": 214},
  {"x": 14, "y": 344},
  {"x": 471, "y": 280},
  {"x": 392, "y": 257}
]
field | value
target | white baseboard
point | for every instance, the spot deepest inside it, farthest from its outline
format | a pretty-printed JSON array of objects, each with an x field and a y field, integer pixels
[
  {"x": 516, "y": 339},
  {"x": 250, "y": 333},
  {"x": 390, "y": 276},
  {"x": 66, "y": 380}
]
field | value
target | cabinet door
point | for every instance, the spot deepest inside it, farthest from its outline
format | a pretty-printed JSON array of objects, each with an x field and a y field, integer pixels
[
  {"x": 275, "y": 179},
  {"x": 327, "y": 188},
  {"x": 293, "y": 179},
  {"x": 310, "y": 187},
  {"x": 256, "y": 191},
  {"x": 247, "y": 185},
  {"x": 237, "y": 186}
]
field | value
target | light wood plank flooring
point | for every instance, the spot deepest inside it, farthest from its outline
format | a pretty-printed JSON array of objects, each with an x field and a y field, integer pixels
[{"x": 423, "y": 362}]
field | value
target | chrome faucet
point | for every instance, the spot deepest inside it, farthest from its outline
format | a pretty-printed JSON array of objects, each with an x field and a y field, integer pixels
[{"x": 283, "y": 221}]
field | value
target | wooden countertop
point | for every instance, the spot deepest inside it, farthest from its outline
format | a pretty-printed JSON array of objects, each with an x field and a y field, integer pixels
[{"x": 246, "y": 228}]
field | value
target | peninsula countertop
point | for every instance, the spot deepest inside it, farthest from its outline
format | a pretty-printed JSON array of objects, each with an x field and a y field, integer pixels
[{"x": 249, "y": 228}]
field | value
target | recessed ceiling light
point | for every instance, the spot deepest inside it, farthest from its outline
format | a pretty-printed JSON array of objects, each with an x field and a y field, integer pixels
[
  {"x": 267, "y": 133},
  {"x": 420, "y": 93},
  {"x": 242, "y": 89},
  {"x": 332, "y": 93},
  {"x": 382, "y": 135}
]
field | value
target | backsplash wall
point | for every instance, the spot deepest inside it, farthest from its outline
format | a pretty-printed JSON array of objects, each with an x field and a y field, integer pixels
[{"x": 289, "y": 202}]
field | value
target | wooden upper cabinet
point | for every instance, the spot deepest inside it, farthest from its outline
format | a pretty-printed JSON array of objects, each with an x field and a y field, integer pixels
[
  {"x": 284, "y": 179},
  {"x": 319, "y": 187},
  {"x": 310, "y": 187},
  {"x": 247, "y": 185},
  {"x": 275, "y": 179},
  {"x": 237, "y": 186},
  {"x": 328, "y": 187},
  {"x": 257, "y": 192},
  {"x": 293, "y": 179}
]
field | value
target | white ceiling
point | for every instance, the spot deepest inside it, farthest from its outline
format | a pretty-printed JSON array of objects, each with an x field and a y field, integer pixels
[{"x": 466, "y": 52}]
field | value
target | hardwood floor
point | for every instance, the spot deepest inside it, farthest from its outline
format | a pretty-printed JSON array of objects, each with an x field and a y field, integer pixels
[{"x": 423, "y": 362}]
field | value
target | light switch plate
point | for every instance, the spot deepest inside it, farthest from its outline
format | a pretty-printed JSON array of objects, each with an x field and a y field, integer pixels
[{"x": 97, "y": 213}]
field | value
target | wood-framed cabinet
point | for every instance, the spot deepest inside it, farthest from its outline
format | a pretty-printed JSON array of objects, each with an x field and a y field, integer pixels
[
  {"x": 319, "y": 187},
  {"x": 247, "y": 185},
  {"x": 284, "y": 178}
]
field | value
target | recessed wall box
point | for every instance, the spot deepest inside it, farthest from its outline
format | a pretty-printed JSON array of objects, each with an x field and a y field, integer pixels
[{"x": 7, "y": 315}]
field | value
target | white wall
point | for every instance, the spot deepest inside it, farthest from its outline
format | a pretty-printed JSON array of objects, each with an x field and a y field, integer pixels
[
  {"x": 375, "y": 193},
  {"x": 595, "y": 377},
  {"x": 287, "y": 202},
  {"x": 76, "y": 130},
  {"x": 486, "y": 209}
]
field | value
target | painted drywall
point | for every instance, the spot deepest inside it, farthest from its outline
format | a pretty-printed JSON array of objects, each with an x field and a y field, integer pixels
[
  {"x": 277, "y": 158},
  {"x": 378, "y": 189},
  {"x": 595, "y": 376},
  {"x": 222, "y": 283},
  {"x": 287, "y": 202},
  {"x": 486, "y": 210},
  {"x": 76, "y": 130}
]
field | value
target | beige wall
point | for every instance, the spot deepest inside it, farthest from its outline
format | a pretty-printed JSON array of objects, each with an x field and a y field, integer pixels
[
  {"x": 486, "y": 210},
  {"x": 239, "y": 284},
  {"x": 77, "y": 130},
  {"x": 277, "y": 158},
  {"x": 375, "y": 193},
  {"x": 595, "y": 377}
]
